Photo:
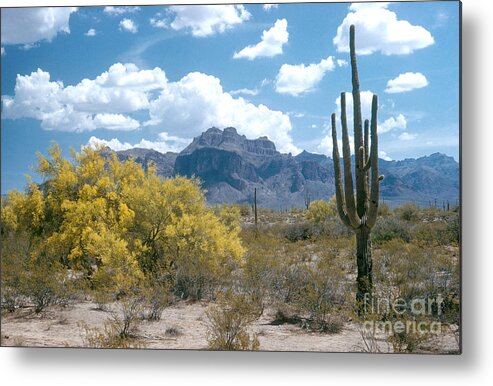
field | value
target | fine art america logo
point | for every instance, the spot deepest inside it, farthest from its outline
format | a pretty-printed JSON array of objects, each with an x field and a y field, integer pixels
[{"x": 410, "y": 316}]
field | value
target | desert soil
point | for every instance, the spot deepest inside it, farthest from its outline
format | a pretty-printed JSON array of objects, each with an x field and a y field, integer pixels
[{"x": 63, "y": 327}]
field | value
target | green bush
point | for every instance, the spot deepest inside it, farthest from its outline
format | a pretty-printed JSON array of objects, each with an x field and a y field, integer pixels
[
  {"x": 408, "y": 212},
  {"x": 389, "y": 228}
]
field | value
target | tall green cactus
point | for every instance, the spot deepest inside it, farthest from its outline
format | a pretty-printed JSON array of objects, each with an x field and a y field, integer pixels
[{"x": 360, "y": 213}]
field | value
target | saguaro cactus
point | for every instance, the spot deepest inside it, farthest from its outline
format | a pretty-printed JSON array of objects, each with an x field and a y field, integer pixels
[{"x": 360, "y": 213}]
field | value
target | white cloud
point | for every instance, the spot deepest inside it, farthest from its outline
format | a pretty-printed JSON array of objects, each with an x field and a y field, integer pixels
[
  {"x": 392, "y": 123},
  {"x": 300, "y": 79},
  {"x": 342, "y": 63},
  {"x": 398, "y": 122},
  {"x": 245, "y": 91},
  {"x": 379, "y": 29},
  {"x": 158, "y": 23},
  {"x": 91, "y": 32},
  {"x": 207, "y": 20},
  {"x": 88, "y": 105},
  {"x": 117, "y": 11},
  {"x": 441, "y": 19},
  {"x": 406, "y": 82},
  {"x": 183, "y": 109},
  {"x": 407, "y": 136},
  {"x": 366, "y": 100},
  {"x": 2, "y": 51},
  {"x": 268, "y": 7},
  {"x": 197, "y": 101},
  {"x": 128, "y": 25},
  {"x": 115, "y": 122},
  {"x": 383, "y": 155},
  {"x": 270, "y": 44},
  {"x": 163, "y": 144},
  {"x": 31, "y": 25},
  {"x": 326, "y": 145}
]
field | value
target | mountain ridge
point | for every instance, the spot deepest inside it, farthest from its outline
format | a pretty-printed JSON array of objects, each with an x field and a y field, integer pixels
[{"x": 231, "y": 166}]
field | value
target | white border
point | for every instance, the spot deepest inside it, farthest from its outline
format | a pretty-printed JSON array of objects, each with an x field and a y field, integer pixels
[{"x": 92, "y": 367}]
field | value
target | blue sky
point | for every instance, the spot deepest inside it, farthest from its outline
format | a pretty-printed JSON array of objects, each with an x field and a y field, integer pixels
[{"x": 158, "y": 76}]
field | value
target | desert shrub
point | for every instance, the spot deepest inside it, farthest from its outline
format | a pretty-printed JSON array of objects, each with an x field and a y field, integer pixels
[
  {"x": 46, "y": 283},
  {"x": 308, "y": 231},
  {"x": 205, "y": 251},
  {"x": 173, "y": 332},
  {"x": 389, "y": 228},
  {"x": 157, "y": 297},
  {"x": 286, "y": 314},
  {"x": 324, "y": 294},
  {"x": 453, "y": 228},
  {"x": 15, "y": 254},
  {"x": 228, "y": 324},
  {"x": 297, "y": 231},
  {"x": 245, "y": 210},
  {"x": 256, "y": 276},
  {"x": 287, "y": 280},
  {"x": 409, "y": 273},
  {"x": 320, "y": 210},
  {"x": 407, "y": 212},
  {"x": 431, "y": 233},
  {"x": 334, "y": 228},
  {"x": 107, "y": 337},
  {"x": 384, "y": 210},
  {"x": 127, "y": 316}
]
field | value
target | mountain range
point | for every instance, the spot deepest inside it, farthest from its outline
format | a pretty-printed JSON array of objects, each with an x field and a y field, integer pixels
[{"x": 231, "y": 166}]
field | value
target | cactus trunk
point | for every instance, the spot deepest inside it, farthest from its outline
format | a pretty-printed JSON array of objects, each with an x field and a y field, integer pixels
[
  {"x": 363, "y": 260},
  {"x": 358, "y": 211}
]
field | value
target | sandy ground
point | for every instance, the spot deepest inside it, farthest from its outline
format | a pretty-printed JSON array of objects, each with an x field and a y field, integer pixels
[{"x": 61, "y": 327}]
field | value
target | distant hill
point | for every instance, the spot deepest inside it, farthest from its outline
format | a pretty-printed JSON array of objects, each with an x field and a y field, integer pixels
[{"x": 231, "y": 166}]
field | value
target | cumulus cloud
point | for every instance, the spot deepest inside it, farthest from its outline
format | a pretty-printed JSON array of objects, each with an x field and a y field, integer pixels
[
  {"x": 392, "y": 123},
  {"x": 198, "y": 101},
  {"x": 183, "y": 109},
  {"x": 326, "y": 145},
  {"x": 117, "y": 11},
  {"x": 245, "y": 91},
  {"x": 158, "y": 23},
  {"x": 407, "y": 136},
  {"x": 163, "y": 144},
  {"x": 91, "y": 32},
  {"x": 406, "y": 82},
  {"x": 379, "y": 29},
  {"x": 30, "y": 25},
  {"x": 270, "y": 44},
  {"x": 2, "y": 52},
  {"x": 268, "y": 7},
  {"x": 207, "y": 20},
  {"x": 366, "y": 100},
  {"x": 383, "y": 155},
  {"x": 88, "y": 105},
  {"x": 398, "y": 122},
  {"x": 300, "y": 79},
  {"x": 342, "y": 63},
  {"x": 128, "y": 25}
]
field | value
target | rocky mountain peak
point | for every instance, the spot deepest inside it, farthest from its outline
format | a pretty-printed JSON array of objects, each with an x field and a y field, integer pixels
[{"x": 229, "y": 140}]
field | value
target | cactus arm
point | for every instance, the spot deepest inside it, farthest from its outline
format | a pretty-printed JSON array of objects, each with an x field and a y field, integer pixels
[
  {"x": 366, "y": 167},
  {"x": 367, "y": 141},
  {"x": 348, "y": 174},
  {"x": 361, "y": 193},
  {"x": 375, "y": 178},
  {"x": 341, "y": 204}
]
